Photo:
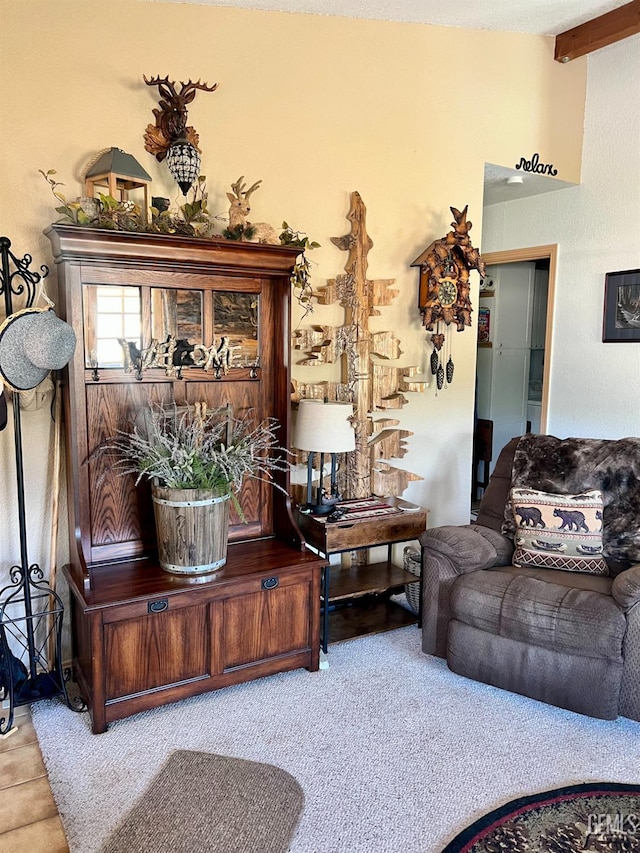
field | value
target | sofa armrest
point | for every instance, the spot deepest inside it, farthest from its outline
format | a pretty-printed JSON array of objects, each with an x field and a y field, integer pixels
[
  {"x": 448, "y": 552},
  {"x": 626, "y": 587},
  {"x": 468, "y": 547}
]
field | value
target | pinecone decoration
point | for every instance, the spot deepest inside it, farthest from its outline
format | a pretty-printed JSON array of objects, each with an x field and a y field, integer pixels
[
  {"x": 440, "y": 377},
  {"x": 622, "y": 844},
  {"x": 563, "y": 838},
  {"x": 450, "y": 369},
  {"x": 509, "y": 838},
  {"x": 434, "y": 362}
]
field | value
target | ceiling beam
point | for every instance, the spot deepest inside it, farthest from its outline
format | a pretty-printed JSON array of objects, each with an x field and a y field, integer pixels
[{"x": 600, "y": 32}]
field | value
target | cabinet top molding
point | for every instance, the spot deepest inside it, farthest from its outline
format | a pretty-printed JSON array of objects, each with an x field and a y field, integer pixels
[{"x": 93, "y": 245}]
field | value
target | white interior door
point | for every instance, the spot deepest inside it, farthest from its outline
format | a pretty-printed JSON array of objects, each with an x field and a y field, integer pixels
[
  {"x": 503, "y": 368},
  {"x": 544, "y": 259},
  {"x": 509, "y": 399}
]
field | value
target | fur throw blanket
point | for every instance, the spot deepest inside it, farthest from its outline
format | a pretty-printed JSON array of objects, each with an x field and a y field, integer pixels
[{"x": 574, "y": 465}]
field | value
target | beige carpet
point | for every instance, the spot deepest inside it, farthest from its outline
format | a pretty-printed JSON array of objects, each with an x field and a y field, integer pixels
[
  {"x": 394, "y": 752},
  {"x": 206, "y": 802}
]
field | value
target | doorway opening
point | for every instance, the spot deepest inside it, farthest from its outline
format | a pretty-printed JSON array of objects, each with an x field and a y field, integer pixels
[{"x": 515, "y": 322}]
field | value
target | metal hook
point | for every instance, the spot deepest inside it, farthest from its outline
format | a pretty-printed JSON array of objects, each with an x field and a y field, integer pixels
[{"x": 95, "y": 374}]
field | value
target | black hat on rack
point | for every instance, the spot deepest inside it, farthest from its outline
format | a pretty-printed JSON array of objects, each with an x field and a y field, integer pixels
[{"x": 33, "y": 342}]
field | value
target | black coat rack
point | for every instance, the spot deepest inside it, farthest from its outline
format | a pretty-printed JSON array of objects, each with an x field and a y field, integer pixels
[{"x": 31, "y": 612}]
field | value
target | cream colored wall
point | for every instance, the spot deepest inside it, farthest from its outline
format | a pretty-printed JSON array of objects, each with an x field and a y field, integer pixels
[
  {"x": 316, "y": 107},
  {"x": 593, "y": 385}
]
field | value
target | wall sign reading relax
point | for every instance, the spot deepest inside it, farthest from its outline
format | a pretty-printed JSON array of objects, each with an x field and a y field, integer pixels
[{"x": 534, "y": 165}]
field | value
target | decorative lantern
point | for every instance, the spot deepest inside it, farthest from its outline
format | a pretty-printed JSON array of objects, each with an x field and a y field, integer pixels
[
  {"x": 116, "y": 173},
  {"x": 183, "y": 160}
]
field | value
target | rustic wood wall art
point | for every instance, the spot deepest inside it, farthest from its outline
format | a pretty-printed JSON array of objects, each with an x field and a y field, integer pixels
[
  {"x": 444, "y": 290},
  {"x": 370, "y": 386}
]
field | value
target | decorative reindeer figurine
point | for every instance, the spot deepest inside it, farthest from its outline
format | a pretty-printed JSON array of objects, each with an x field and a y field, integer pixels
[
  {"x": 171, "y": 118},
  {"x": 239, "y": 209}
]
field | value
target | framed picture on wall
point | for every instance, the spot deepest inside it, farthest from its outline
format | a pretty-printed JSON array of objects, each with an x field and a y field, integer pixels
[{"x": 621, "y": 320}]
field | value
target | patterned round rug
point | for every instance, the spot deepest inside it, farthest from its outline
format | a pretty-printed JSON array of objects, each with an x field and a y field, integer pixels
[{"x": 603, "y": 817}]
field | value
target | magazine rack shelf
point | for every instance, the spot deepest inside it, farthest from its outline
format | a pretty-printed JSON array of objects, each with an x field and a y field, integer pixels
[{"x": 31, "y": 615}]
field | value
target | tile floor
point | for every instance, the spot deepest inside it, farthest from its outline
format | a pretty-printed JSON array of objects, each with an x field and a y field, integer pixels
[{"x": 29, "y": 820}]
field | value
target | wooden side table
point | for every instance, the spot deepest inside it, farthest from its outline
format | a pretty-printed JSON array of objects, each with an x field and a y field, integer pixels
[{"x": 355, "y": 599}]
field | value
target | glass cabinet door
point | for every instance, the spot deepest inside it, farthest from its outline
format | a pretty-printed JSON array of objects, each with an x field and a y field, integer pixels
[
  {"x": 138, "y": 328},
  {"x": 113, "y": 314},
  {"x": 177, "y": 314},
  {"x": 235, "y": 317}
]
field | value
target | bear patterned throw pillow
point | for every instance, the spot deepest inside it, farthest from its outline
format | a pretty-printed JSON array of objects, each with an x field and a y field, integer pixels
[{"x": 559, "y": 531}]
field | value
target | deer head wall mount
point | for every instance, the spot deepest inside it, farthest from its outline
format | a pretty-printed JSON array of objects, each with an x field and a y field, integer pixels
[{"x": 170, "y": 136}]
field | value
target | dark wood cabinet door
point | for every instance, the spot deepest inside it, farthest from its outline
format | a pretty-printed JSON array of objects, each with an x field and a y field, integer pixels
[
  {"x": 156, "y": 650},
  {"x": 264, "y": 625}
]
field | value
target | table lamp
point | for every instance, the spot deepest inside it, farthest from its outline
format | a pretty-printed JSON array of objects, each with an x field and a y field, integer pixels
[{"x": 323, "y": 427}]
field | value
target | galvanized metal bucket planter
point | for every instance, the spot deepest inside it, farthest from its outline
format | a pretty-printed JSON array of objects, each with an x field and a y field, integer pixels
[{"x": 192, "y": 527}]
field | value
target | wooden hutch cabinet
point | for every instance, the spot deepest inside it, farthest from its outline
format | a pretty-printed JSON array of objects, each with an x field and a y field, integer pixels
[{"x": 143, "y": 637}]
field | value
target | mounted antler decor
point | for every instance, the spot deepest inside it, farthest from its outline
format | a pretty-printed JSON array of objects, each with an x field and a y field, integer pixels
[
  {"x": 170, "y": 137},
  {"x": 444, "y": 289}
]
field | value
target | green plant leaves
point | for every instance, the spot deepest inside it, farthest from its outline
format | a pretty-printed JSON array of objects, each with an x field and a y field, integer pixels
[{"x": 199, "y": 448}]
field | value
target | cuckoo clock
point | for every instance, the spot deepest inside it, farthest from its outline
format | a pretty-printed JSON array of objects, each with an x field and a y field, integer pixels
[{"x": 444, "y": 291}]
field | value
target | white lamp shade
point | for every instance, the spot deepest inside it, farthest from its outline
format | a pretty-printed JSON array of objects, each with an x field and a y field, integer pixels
[{"x": 324, "y": 427}]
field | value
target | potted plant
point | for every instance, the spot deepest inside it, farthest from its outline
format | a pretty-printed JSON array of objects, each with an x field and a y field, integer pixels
[{"x": 197, "y": 460}]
